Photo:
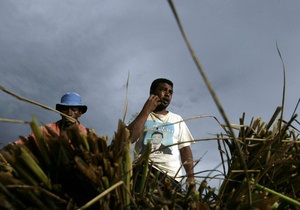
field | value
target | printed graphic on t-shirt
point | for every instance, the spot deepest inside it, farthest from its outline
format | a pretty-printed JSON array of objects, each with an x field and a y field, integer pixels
[{"x": 160, "y": 135}]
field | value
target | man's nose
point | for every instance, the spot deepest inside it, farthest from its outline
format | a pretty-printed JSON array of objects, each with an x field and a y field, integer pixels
[{"x": 69, "y": 111}]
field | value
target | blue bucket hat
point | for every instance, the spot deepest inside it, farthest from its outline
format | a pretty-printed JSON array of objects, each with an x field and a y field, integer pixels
[{"x": 71, "y": 99}]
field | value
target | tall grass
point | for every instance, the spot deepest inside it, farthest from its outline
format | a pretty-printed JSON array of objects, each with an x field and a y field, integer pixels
[
  {"x": 71, "y": 171},
  {"x": 87, "y": 173}
]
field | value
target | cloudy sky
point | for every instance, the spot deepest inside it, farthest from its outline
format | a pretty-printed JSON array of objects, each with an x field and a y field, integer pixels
[{"x": 49, "y": 48}]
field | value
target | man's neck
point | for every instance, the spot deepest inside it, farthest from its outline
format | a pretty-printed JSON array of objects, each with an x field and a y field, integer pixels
[
  {"x": 163, "y": 112},
  {"x": 65, "y": 124}
]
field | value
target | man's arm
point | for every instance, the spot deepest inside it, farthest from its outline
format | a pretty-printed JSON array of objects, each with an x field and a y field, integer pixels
[
  {"x": 187, "y": 161},
  {"x": 137, "y": 125}
]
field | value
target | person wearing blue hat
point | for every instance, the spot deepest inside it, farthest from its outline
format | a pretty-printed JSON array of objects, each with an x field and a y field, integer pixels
[{"x": 71, "y": 105}]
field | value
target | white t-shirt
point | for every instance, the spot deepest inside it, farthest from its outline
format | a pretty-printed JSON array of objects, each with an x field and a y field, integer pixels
[{"x": 174, "y": 131}]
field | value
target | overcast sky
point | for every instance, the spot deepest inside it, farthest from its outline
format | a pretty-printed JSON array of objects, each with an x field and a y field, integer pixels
[{"x": 49, "y": 48}]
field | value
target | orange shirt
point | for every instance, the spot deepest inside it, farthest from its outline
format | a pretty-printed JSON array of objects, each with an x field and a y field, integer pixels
[{"x": 56, "y": 128}]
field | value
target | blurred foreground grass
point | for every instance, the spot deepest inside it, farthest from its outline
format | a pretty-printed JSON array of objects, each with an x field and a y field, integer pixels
[{"x": 72, "y": 171}]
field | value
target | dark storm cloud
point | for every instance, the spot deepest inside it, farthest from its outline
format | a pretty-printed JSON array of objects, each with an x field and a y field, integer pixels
[{"x": 49, "y": 48}]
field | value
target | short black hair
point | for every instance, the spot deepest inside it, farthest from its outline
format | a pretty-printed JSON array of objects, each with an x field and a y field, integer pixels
[
  {"x": 156, "y": 82},
  {"x": 157, "y": 132}
]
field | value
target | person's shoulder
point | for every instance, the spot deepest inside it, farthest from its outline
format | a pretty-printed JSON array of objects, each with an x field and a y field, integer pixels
[
  {"x": 49, "y": 125},
  {"x": 53, "y": 123},
  {"x": 80, "y": 125},
  {"x": 83, "y": 129}
]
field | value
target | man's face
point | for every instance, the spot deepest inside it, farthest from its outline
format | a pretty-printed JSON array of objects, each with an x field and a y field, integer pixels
[
  {"x": 71, "y": 111},
  {"x": 156, "y": 138},
  {"x": 164, "y": 91}
]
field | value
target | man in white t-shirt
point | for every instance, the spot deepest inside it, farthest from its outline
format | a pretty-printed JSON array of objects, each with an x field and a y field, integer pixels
[{"x": 153, "y": 118}]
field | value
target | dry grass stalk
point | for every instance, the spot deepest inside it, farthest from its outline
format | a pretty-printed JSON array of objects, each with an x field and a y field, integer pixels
[
  {"x": 85, "y": 172},
  {"x": 274, "y": 164}
]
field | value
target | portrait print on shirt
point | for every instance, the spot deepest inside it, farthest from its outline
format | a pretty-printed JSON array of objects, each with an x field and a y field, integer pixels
[{"x": 160, "y": 136}]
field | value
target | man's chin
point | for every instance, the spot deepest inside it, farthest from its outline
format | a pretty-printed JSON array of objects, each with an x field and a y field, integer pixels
[
  {"x": 69, "y": 123},
  {"x": 164, "y": 105}
]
